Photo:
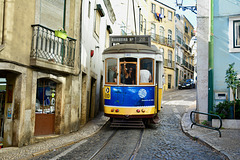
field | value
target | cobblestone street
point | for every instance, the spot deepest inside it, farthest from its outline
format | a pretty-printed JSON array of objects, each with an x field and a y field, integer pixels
[
  {"x": 166, "y": 140},
  {"x": 162, "y": 141}
]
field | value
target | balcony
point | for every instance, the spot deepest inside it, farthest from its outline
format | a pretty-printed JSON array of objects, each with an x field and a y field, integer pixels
[
  {"x": 163, "y": 40},
  {"x": 169, "y": 63},
  {"x": 51, "y": 52}
]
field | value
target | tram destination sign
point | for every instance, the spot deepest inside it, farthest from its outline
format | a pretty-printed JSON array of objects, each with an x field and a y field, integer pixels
[{"x": 140, "y": 39}]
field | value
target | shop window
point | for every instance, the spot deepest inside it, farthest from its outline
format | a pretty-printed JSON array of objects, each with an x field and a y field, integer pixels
[
  {"x": 146, "y": 71},
  {"x": 46, "y": 96},
  {"x": 111, "y": 70},
  {"x": 128, "y": 71},
  {"x": 3, "y": 87}
]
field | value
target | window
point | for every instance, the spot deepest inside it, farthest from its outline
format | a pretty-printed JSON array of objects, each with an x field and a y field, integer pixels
[
  {"x": 146, "y": 71},
  {"x": 46, "y": 96},
  {"x": 52, "y": 13},
  {"x": 170, "y": 37},
  {"x": 97, "y": 24},
  {"x": 1, "y": 20},
  {"x": 111, "y": 70},
  {"x": 162, "y": 11},
  {"x": 89, "y": 9},
  {"x": 236, "y": 34},
  {"x": 153, "y": 8},
  {"x": 169, "y": 58},
  {"x": 145, "y": 27},
  {"x": 141, "y": 23},
  {"x": 107, "y": 39},
  {"x": 128, "y": 71},
  {"x": 161, "y": 34},
  {"x": 153, "y": 31},
  {"x": 169, "y": 81},
  {"x": 108, "y": 32},
  {"x": 169, "y": 15}
]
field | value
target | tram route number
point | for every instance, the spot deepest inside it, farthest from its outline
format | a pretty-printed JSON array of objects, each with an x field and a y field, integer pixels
[{"x": 107, "y": 94}]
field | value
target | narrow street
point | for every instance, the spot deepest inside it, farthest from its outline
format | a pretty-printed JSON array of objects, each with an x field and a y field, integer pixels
[{"x": 160, "y": 141}]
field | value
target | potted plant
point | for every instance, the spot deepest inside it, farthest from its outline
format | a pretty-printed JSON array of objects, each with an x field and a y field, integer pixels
[
  {"x": 61, "y": 33},
  {"x": 232, "y": 82}
]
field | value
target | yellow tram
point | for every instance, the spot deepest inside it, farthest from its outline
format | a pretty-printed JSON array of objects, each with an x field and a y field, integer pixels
[{"x": 133, "y": 74}]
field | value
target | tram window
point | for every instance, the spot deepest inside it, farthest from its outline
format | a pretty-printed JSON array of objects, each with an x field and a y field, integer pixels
[
  {"x": 146, "y": 70},
  {"x": 111, "y": 70},
  {"x": 128, "y": 71}
]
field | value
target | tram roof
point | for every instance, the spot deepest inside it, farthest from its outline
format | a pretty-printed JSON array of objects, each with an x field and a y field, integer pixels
[{"x": 130, "y": 48}]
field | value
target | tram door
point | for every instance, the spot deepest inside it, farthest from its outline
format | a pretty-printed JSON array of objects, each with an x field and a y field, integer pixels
[{"x": 159, "y": 83}]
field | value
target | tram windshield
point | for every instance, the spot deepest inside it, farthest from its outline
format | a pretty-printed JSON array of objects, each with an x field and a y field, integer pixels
[{"x": 128, "y": 71}]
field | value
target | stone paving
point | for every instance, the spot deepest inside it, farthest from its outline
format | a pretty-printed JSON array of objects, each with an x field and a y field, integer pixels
[{"x": 228, "y": 144}]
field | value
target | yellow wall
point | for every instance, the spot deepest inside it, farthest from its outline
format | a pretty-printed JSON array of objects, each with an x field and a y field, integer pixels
[{"x": 166, "y": 24}]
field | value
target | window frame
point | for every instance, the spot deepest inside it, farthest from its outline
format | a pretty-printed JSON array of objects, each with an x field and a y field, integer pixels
[
  {"x": 153, "y": 69},
  {"x": 2, "y": 14},
  {"x": 162, "y": 9},
  {"x": 170, "y": 16},
  {"x": 231, "y": 34},
  {"x": 120, "y": 71},
  {"x": 153, "y": 9},
  {"x": 97, "y": 23},
  {"x": 153, "y": 28},
  {"x": 106, "y": 71}
]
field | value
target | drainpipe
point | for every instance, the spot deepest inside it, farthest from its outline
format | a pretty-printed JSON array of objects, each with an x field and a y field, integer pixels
[{"x": 211, "y": 63}]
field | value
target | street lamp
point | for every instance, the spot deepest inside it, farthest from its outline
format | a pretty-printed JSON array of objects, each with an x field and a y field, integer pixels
[{"x": 192, "y": 8}]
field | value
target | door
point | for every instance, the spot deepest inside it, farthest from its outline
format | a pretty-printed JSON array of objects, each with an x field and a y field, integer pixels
[
  {"x": 3, "y": 84},
  {"x": 45, "y": 107}
]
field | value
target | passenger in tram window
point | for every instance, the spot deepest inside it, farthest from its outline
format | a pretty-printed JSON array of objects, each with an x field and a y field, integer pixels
[
  {"x": 145, "y": 75},
  {"x": 112, "y": 75},
  {"x": 128, "y": 75}
]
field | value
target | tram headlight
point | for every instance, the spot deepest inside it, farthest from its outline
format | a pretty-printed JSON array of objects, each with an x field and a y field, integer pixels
[
  {"x": 112, "y": 110},
  {"x": 143, "y": 110},
  {"x": 117, "y": 110},
  {"x": 138, "y": 110}
]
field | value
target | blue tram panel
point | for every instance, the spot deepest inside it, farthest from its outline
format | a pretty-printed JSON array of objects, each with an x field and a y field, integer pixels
[{"x": 131, "y": 96}]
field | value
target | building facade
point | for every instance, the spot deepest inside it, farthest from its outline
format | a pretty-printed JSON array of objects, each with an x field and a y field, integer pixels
[
  {"x": 50, "y": 72},
  {"x": 160, "y": 24},
  {"x": 183, "y": 49}
]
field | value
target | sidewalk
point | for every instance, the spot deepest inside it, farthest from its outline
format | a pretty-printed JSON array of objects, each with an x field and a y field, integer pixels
[
  {"x": 228, "y": 144},
  {"x": 36, "y": 149}
]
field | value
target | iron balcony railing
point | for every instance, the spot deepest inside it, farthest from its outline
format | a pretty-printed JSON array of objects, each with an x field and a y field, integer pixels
[
  {"x": 46, "y": 46},
  {"x": 162, "y": 40},
  {"x": 169, "y": 63}
]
